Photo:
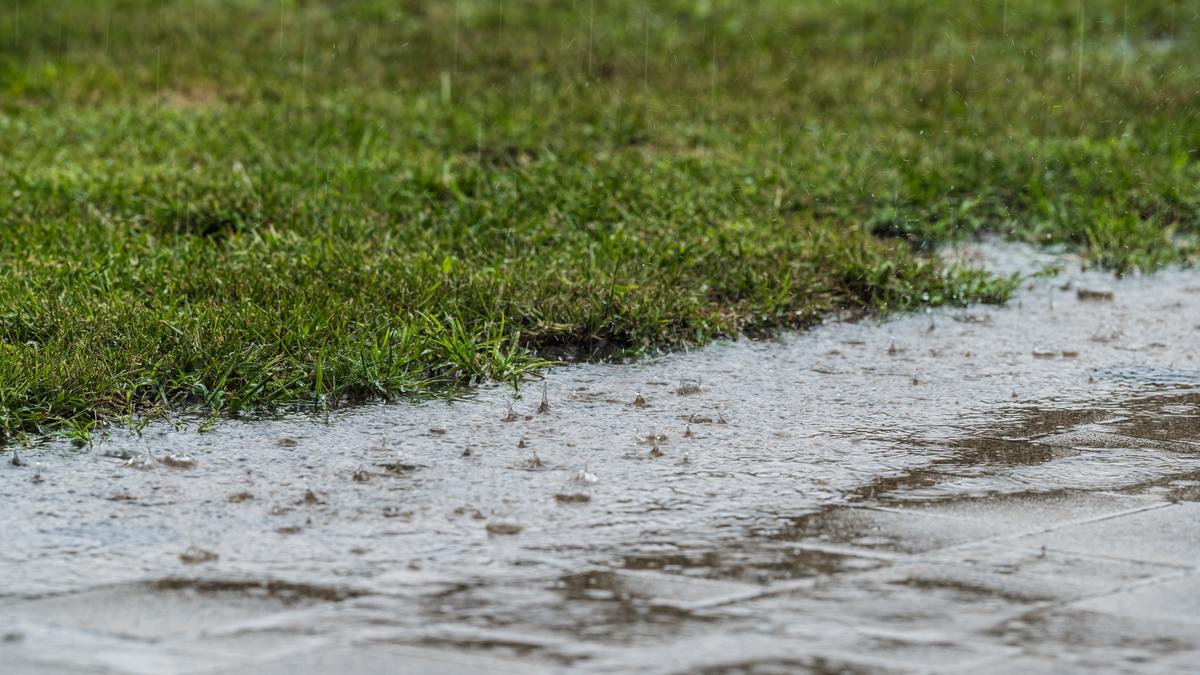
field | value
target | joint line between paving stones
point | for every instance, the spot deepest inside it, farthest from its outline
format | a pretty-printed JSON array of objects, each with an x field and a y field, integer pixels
[
  {"x": 1173, "y": 567},
  {"x": 1130, "y": 586},
  {"x": 1017, "y": 535},
  {"x": 1077, "y": 523}
]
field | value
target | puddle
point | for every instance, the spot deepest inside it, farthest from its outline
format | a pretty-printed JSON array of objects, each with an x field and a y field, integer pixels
[{"x": 748, "y": 507}]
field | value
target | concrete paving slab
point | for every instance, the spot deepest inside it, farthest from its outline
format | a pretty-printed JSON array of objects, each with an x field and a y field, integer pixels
[
  {"x": 1101, "y": 641},
  {"x": 24, "y": 667},
  {"x": 930, "y": 526},
  {"x": 908, "y": 653},
  {"x": 1004, "y": 515},
  {"x": 732, "y": 652},
  {"x": 891, "y": 530},
  {"x": 1175, "y": 599},
  {"x": 897, "y": 601},
  {"x": 155, "y": 610},
  {"x": 810, "y": 643},
  {"x": 672, "y": 590},
  {"x": 253, "y": 644},
  {"x": 390, "y": 660},
  {"x": 1060, "y": 575},
  {"x": 983, "y": 579},
  {"x": 71, "y": 651},
  {"x": 1031, "y": 665},
  {"x": 1166, "y": 535},
  {"x": 1180, "y": 662}
]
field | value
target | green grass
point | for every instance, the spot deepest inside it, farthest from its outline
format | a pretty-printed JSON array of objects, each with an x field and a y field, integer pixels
[{"x": 227, "y": 205}]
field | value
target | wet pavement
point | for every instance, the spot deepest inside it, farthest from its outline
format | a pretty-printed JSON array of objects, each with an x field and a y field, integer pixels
[{"x": 1007, "y": 489}]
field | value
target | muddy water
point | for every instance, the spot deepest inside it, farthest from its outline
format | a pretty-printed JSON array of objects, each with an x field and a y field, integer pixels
[{"x": 679, "y": 514}]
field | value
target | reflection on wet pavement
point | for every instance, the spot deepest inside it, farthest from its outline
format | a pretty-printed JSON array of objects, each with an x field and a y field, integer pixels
[{"x": 922, "y": 493}]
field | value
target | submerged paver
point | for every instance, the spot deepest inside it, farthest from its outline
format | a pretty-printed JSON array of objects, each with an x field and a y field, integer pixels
[
  {"x": 1166, "y": 535},
  {"x": 388, "y": 659}
]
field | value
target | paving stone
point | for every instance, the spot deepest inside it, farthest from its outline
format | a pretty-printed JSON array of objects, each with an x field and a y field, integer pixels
[
  {"x": 656, "y": 589},
  {"x": 900, "y": 601},
  {"x": 731, "y": 652},
  {"x": 984, "y": 580},
  {"x": 72, "y": 651},
  {"x": 1166, "y": 535},
  {"x": 389, "y": 660},
  {"x": 260, "y": 644},
  {"x": 1004, "y": 515},
  {"x": 15, "y": 664},
  {"x": 806, "y": 664},
  {"x": 1100, "y": 641},
  {"x": 684, "y": 592},
  {"x": 1180, "y": 662},
  {"x": 893, "y": 531},
  {"x": 1048, "y": 574},
  {"x": 807, "y": 643},
  {"x": 754, "y": 561},
  {"x": 156, "y": 610},
  {"x": 1031, "y": 665},
  {"x": 929, "y": 526},
  {"x": 1171, "y": 599},
  {"x": 907, "y": 653}
]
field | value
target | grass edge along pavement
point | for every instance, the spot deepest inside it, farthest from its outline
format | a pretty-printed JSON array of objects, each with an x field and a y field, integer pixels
[{"x": 225, "y": 207}]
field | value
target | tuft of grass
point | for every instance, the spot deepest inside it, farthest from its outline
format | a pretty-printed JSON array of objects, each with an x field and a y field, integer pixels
[{"x": 228, "y": 206}]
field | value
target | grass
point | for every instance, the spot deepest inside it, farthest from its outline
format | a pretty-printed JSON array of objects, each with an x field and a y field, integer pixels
[{"x": 228, "y": 205}]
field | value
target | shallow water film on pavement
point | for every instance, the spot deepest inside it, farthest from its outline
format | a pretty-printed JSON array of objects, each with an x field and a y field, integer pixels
[{"x": 1006, "y": 489}]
